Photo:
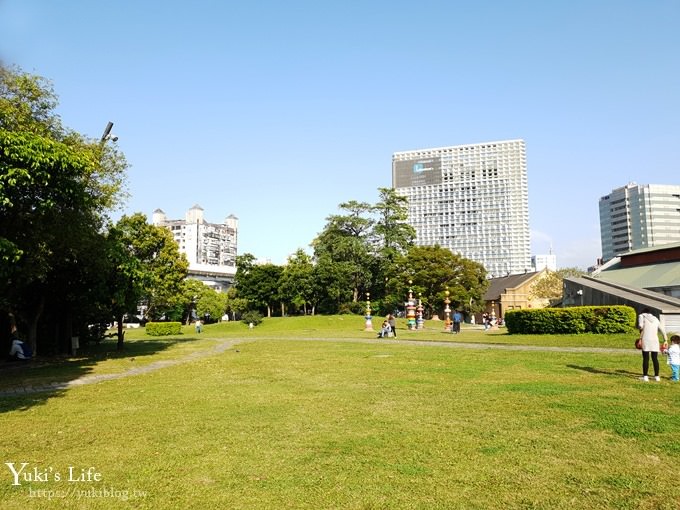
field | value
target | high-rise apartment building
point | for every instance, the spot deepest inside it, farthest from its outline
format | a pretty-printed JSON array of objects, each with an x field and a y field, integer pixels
[
  {"x": 472, "y": 199},
  {"x": 210, "y": 248},
  {"x": 639, "y": 216}
]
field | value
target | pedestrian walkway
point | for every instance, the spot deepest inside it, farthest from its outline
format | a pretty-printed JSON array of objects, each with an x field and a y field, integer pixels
[{"x": 224, "y": 345}]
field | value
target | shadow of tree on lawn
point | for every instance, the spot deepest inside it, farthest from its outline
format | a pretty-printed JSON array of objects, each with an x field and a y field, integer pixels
[{"x": 27, "y": 384}]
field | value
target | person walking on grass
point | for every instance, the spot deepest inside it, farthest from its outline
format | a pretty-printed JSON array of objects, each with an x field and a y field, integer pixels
[
  {"x": 457, "y": 318},
  {"x": 674, "y": 357},
  {"x": 393, "y": 325},
  {"x": 649, "y": 327}
]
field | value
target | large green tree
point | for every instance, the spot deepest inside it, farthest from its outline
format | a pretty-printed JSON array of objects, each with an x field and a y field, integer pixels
[
  {"x": 298, "y": 284},
  {"x": 346, "y": 240},
  {"x": 55, "y": 190},
  {"x": 164, "y": 267},
  {"x": 202, "y": 300},
  {"x": 432, "y": 270},
  {"x": 391, "y": 231}
]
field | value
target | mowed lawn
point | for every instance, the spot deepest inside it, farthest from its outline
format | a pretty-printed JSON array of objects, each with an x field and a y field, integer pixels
[{"x": 285, "y": 423}]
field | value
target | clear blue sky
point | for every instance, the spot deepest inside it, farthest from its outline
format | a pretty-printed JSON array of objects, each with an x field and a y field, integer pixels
[{"x": 279, "y": 111}]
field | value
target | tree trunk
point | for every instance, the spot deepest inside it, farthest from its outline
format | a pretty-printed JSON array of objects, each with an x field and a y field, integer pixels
[
  {"x": 33, "y": 325},
  {"x": 67, "y": 343},
  {"x": 269, "y": 311},
  {"x": 121, "y": 334},
  {"x": 313, "y": 308},
  {"x": 283, "y": 309}
]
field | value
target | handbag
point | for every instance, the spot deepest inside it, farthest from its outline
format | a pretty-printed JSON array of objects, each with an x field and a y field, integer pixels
[{"x": 638, "y": 343}]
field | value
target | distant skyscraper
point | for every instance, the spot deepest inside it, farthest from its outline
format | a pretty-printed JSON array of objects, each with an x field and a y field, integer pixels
[
  {"x": 639, "y": 216},
  {"x": 210, "y": 248},
  {"x": 472, "y": 199}
]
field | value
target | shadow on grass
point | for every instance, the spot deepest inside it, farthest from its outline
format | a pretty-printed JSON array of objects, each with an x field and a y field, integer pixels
[
  {"x": 27, "y": 384},
  {"x": 617, "y": 373}
]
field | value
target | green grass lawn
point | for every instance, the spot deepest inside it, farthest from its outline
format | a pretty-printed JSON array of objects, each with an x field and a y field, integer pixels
[{"x": 286, "y": 423}]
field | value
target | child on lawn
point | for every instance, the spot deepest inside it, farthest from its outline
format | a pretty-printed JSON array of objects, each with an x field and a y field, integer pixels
[{"x": 674, "y": 357}]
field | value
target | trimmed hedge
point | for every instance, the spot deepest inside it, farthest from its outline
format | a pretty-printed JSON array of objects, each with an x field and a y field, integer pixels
[
  {"x": 163, "y": 328},
  {"x": 572, "y": 320}
]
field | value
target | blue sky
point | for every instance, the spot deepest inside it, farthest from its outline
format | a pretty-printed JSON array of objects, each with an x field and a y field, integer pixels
[{"x": 279, "y": 111}]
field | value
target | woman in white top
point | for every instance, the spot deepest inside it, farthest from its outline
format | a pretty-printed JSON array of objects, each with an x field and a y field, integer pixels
[{"x": 649, "y": 327}]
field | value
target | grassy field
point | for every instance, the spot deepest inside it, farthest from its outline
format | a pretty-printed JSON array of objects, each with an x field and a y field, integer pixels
[{"x": 282, "y": 421}]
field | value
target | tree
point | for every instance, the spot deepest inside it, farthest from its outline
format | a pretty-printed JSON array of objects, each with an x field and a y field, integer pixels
[
  {"x": 297, "y": 282},
  {"x": 203, "y": 300},
  {"x": 235, "y": 304},
  {"x": 334, "y": 284},
  {"x": 43, "y": 203},
  {"x": 393, "y": 235},
  {"x": 264, "y": 286},
  {"x": 151, "y": 270},
  {"x": 346, "y": 240},
  {"x": 432, "y": 270},
  {"x": 550, "y": 285},
  {"x": 55, "y": 190},
  {"x": 28, "y": 104},
  {"x": 165, "y": 267},
  {"x": 258, "y": 284},
  {"x": 126, "y": 277}
]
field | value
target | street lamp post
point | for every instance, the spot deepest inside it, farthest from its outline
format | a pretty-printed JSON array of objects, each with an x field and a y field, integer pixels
[{"x": 107, "y": 134}]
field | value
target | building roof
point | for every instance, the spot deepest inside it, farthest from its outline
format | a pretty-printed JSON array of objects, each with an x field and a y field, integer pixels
[
  {"x": 660, "y": 247},
  {"x": 661, "y": 302},
  {"x": 651, "y": 276},
  {"x": 498, "y": 286}
]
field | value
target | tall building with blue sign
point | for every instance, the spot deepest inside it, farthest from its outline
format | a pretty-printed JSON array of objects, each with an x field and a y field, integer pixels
[{"x": 472, "y": 199}]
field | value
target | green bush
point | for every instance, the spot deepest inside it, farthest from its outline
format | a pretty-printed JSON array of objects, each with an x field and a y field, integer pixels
[
  {"x": 163, "y": 328},
  {"x": 251, "y": 316},
  {"x": 352, "y": 308},
  {"x": 573, "y": 320}
]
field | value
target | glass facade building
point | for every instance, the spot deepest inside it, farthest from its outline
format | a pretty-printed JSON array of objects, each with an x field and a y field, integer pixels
[
  {"x": 472, "y": 199},
  {"x": 639, "y": 216}
]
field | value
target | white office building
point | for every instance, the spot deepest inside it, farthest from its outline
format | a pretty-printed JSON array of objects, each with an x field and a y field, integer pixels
[
  {"x": 541, "y": 262},
  {"x": 210, "y": 248},
  {"x": 472, "y": 199},
  {"x": 636, "y": 216}
]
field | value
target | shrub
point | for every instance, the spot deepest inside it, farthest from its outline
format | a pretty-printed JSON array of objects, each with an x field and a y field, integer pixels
[
  {"x": 163, "y": 328},
  {"x": 573, "y": 320},
  {"x": 251, "y": 316},
  {"x": 352, "y": 308}
]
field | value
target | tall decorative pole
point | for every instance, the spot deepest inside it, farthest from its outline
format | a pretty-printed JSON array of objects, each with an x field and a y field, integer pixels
[
  {"x": 369, "y": 324},
  {"x": 447, "y": 312},
  {"x": 493, "y": 312},
  {"x": 411, "y": 308},
  {"x": 419, "y": 312}
]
